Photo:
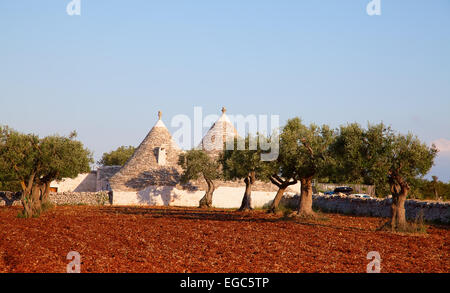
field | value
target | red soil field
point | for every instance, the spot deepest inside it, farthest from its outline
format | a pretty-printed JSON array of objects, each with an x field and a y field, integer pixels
[{"x": 169, "y": 239}]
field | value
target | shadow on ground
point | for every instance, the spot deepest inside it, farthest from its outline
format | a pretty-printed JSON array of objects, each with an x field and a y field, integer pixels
[
  {"x": 222, "y": 215},
  {"x": 192, "y": 213}
]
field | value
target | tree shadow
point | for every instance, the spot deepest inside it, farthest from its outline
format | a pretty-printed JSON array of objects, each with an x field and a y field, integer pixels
[
  {"x": 190, "y": 213},
  {"x": 151, "y": 194},
  {"x": 161, "y": 176}
]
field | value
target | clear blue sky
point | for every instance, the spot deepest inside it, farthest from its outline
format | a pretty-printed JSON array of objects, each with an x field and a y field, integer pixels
[{"x": 107, "y": 72}]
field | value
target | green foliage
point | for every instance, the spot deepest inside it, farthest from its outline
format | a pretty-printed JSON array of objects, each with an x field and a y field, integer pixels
[
  {"x": 410, "y": 158},
  {"x": 196, "y": 163},
  {"x": 13, "y": 186},
  {"x": 286, "y": 209},
  {"x": 35, "y": 162},
  {"x": 362, "y": 155},
  {"x": 369, "y": 155},
  {"x": 63, "y": 157},
  {"x": 416, "y": 227},
  {"x": 117, "y": 157},
  {"x": 47, "y": 159},
  {"x": 424, "y": 189},
  {"x": 348, "y": 150},
  {"x": 239, "y": 163},
  {"x": 19, "y": 155},
  {"x": 21, "y": 215},
  {"x": 305, "y": 150},
  {"x": 47, "y": 206}
]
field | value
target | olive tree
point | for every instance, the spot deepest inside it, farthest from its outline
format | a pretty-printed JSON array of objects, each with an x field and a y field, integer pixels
[
  {"x": 61, "y": 157},
  {"x": 377, "y": 155},
  {"x": 244, "y": 161},
  {"x": 361, "y": 155},
  {"x": 409, "y": 158},
  {"x": 35, "y": 162},
  {"x": 309, "y": 147},
  {"x": 284, "y": 170},
  {"x": 19, "y": 155},
  {"x": 196, "y": 164}
]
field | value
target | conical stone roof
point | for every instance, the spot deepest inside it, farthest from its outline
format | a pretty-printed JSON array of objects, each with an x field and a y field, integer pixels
[
  {"x": 219, "y": 133},
  {"x": 155, "y": 162}
]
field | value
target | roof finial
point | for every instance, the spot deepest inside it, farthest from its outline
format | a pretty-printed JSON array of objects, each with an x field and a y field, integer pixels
[
  {"x": 224, "y": 110},
  {"x": 159, "y": 115}
]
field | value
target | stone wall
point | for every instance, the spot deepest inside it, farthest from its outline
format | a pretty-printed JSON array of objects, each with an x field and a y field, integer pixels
[
  {"x": 9, "y": 198},
  {"x": 431, "y": 210},
  {"x": 81, "y": 198},
  {"x": 63, "y": 198},
  {"x": 231, "y": 197}
]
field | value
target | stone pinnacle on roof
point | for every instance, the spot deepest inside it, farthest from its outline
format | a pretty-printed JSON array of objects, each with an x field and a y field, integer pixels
[{"x": 159, "y": 123}]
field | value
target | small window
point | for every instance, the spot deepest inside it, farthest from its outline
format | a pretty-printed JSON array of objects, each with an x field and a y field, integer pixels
[{"x": 161, "y": 156}]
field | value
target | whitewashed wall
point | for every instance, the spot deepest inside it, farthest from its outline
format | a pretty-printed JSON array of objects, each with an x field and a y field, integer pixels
[
  {"x": 223, "y": 197},
  {"x": 86, "y": 182}
]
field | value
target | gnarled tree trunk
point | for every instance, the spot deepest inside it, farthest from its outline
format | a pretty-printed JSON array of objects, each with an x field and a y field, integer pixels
[
  {"x": 45, "y": 192},
  {"x": 26, "y": 199},
  {"x": 206, "y": 201},
  {"x": 305, "y": 204},
  {"x": 33, "y": 195},
  {"x": 282, "y": 186},
  {"x": 36, "y": 199},
  {"x": 399, "y": 189},
  {"x": 27, "y": 204},
  {"x": 247, "y": 200}
]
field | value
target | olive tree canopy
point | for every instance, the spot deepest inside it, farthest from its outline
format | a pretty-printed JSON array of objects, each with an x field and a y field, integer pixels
[
  {"x": 377, "y": 155},
  {"x": 309, "y": 147},
  {"x": 246, "y": 163},
  {"x": 196, "y": 164},
  {"x": 35, "y": 162}
]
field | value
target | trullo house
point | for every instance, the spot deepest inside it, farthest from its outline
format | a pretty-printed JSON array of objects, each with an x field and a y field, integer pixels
[{"x": 152, "y": 176}]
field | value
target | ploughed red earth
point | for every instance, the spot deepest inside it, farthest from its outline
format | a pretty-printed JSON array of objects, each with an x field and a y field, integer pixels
[{"x": 170, "y": 239}]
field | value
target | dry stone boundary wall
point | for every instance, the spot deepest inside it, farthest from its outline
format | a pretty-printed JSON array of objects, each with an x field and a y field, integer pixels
[
  {"x": 63, "y": 198},
  {"x": 431, "y": 211}
]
